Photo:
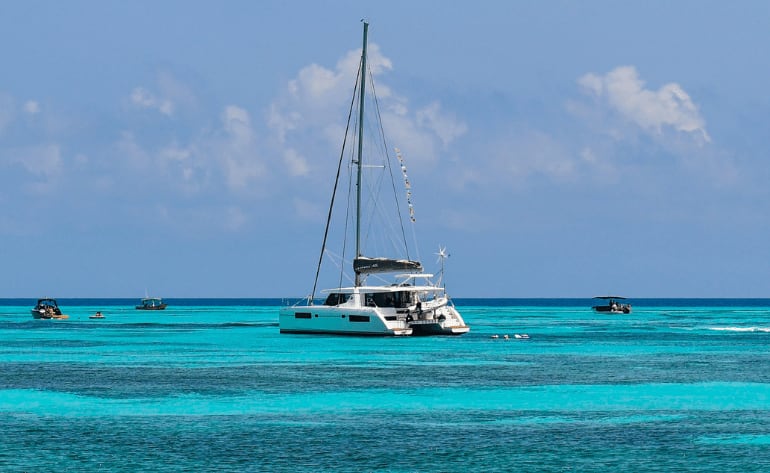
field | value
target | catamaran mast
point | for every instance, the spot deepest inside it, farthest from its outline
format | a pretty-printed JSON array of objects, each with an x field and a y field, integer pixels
[{"x": 360, "y": 150}]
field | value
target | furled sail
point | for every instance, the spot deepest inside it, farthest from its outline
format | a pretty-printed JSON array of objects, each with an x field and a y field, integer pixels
[{"x": 366, "y": 265}]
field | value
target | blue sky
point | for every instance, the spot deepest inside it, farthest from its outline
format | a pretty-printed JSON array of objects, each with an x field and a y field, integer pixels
[{"x": 558, "y": 149}]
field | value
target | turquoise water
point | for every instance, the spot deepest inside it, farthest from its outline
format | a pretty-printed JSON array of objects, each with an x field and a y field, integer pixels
[{"x": 212, "y": 386}]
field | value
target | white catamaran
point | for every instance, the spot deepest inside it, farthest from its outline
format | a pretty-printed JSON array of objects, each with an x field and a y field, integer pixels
[{"x": 412, "y": 304}]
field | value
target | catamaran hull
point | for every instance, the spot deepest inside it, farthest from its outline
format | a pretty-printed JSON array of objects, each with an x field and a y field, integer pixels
[
  {"x": 334, "y": 320},
  {"x": 444, "y": 320}
]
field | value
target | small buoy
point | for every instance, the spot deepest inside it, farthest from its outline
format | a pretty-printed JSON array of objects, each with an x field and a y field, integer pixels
[{"x": 495, "y": 336}]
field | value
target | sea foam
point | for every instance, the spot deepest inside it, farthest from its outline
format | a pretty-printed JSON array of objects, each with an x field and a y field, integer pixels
[{"x": 741, "y": 329}]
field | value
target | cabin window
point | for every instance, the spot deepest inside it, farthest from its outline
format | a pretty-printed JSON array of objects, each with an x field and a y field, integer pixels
[
  {"x": 359, "y": 318},
  {"x": 301, "y": 315},
  {"x": 399, "y": 299},
  {"x": 383, "y": 299},
  {"x": 336, "y": 298},
  {"x": 408, "y": 298}
]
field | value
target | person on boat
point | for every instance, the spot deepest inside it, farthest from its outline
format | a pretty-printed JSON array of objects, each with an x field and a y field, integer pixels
[{"x": 98, "y": 314}]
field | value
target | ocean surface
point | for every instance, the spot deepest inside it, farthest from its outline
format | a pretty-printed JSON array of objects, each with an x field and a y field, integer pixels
[{"x": 211, "y": 385}]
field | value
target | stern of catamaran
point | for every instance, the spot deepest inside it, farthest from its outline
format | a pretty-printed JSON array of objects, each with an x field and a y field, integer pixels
[{"x": 432, "y": 311}]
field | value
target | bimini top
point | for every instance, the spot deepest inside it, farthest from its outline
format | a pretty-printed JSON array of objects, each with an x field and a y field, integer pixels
[
  {"x": 401, "y": 286},
  {"x": 47, "y": 301},
  {"x": 609, "y": 297}
]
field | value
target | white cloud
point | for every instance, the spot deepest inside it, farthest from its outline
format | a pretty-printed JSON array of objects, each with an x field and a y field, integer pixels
[
  {"x": 418, "y": 144},
  {"x": 447, "y": 127},
  {"x": 514, "y": 157},
  {"x": 598, "y": 161},
  {"x": 169, "y": 96},
  {"x": 625, "y": 109},
  {"x": 317, "y": 87},
  {"x": 132, "y": 152},
  {"x": 234, "y": 218},
  {"x": 175, "y": 153},
  {"x": 43, "y": 161},
  {"x": 142, "y": 98},
  {"x": 32, "y": 107},
  {"x": 238, "y": 151},
  {"x": 625, "y": 93},
  {"x": 588, "y": 155},
  {"x": 296, "y": 164},
  {"x": 282, "y": 122},
  {"x": 316, "y": 104},
  {"x": 237, "y": 123},
  {"x": 314, "y": 100},
  {"x": 180, "y": 163},
  {"x": 223, "y": 157},
  {"x": 175, "y": 92},
  {"x": 308, "y": 210},
  {"x": 537, "y": 152},
  {"x": 314, "y": 82}
]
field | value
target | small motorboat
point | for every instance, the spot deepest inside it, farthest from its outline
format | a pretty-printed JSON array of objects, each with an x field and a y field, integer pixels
[
  {"x": 151, "y": 303},
  {"x": 612, "y": 306},
  {"x": 47, "y": 308},
  {"x": 97, "y": 315}
]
